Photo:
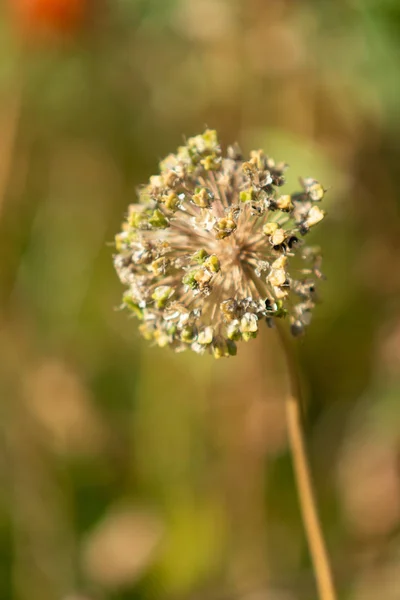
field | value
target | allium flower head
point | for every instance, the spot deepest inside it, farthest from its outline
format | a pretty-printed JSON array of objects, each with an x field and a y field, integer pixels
[{"x": 213, "y": 249}]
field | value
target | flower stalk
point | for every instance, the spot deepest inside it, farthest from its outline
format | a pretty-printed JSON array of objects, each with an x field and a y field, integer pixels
[
  {"x": 308, "y": 505},
  {"x": 212, "y": 249}
]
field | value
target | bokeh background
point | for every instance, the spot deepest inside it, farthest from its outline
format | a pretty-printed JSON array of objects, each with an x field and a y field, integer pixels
[{"x": 129, "y": 473}]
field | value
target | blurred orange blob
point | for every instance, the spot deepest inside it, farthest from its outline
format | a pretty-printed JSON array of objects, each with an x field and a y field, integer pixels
[{"x": 49, "y": 16}]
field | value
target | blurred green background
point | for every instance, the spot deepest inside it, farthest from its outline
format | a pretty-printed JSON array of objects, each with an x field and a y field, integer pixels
[{"x": 128, "y": 472}]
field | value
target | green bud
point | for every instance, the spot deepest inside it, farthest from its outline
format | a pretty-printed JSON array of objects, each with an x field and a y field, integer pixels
[
  {"x": 161, "y": 295},
  {"x": 225, "y": 227},
  {"x": 280, "y": 312},
  {"x": 200, "y": 256},
  {"x": 127, "y": 237},
  {"x": 188, "y": 334},
  {"x": 232, "y": 348},
  {"x": 229, "y": 309},
  {"x": 212, "y": 263},
  {"x": 202, "y": 198},
  {"x": 202, "y": 276},
  {"x": 159, "y": 265},
  {"x": 220, "y": 348},
  {"x": 171, "y": 202},
  {"x": 132, "y": 305},
  {"x": 137, "y": 220},
  {"x": 120, "y": 241},
  {"x": 190, "y": 280},
  {"x": 146, "y": 331},
  {"x": 172, "y": 329},
  {"x": 314, "y": 189},
  {"x": 233, "y": 331},
  {"x": 270, "y": 228},
  {"x": 210, "y": 138},
  {"x": 247, "y": 195},
  {"x": 249, "y": 335},
  {"x": 204, "y": 143},
  {"x": 205, "y": 337},
  {"x": 158, "y": 220},
  {"x": 161, "y": 338},
  {"x": 144, "y": 195},
  {"x": 211, "y": 162},
  {"x": 183, "y": 153},
  {"x": 284, "y": 202}
]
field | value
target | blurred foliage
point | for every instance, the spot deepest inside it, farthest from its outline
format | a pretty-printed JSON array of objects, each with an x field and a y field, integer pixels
[{"x": 128, "y": 472}]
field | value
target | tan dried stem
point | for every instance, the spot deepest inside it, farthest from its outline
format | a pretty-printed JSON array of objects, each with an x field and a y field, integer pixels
[{"x": 308, "y": 505}]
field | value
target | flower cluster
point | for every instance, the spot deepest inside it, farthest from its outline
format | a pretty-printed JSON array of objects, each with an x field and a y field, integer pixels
[{"x": 205, "y": 253}]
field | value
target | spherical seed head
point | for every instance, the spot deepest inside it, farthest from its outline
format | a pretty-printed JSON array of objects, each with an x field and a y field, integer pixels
[{"x": 213, "y": 248}]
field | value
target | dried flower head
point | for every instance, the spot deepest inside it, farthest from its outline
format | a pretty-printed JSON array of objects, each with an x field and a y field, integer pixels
[{"x": 212, "y": 249}]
